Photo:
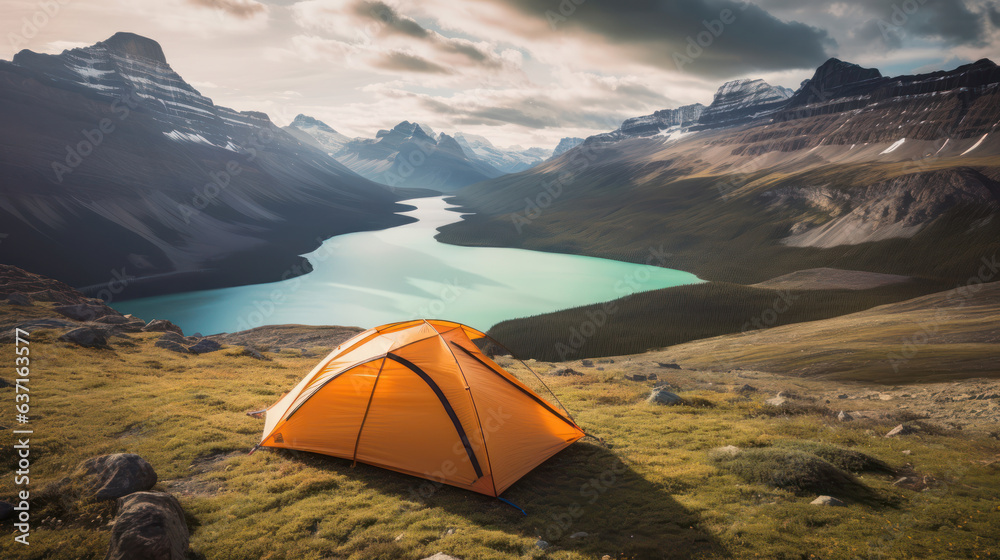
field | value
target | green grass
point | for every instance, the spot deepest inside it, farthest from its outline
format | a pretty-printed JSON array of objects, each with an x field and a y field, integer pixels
[
  {"x": 660, "y": 318},
  {"x": 653, "y": 492}
]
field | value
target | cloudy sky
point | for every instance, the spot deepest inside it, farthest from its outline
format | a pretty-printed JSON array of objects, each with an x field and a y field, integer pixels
[{"x": 524, "y": 72}]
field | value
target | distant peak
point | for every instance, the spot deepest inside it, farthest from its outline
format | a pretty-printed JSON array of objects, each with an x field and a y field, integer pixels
[
  {"x": 307, "y": 121},
  {"x": 134, "y": 46}
]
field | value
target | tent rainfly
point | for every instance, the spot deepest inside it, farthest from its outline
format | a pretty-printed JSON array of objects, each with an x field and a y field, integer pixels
[{"x": 420, "y": 398}]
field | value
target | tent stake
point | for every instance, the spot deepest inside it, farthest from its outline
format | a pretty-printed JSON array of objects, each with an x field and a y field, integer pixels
[{"x": 512, "y": 504}]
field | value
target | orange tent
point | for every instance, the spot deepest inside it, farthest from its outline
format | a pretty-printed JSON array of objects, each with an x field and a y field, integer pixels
[{"x": 419, "y": 397}]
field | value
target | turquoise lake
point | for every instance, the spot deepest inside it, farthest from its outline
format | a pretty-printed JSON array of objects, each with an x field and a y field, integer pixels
[{"x": 371, "y": 278}]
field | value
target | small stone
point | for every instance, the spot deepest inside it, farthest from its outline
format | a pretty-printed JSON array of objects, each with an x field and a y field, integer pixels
[
  {"x": 636, "y": 377},
  {"x": 901, "y": 430},
  {"x": 746, "y": 389},
  {"x": 843, "y": 396},
  {"x": 587, "y": 363},
  {"x": 907, "y": 452},
  {"x": 827, "y": 501},
  {"x": 651, "y": 376},
  {"x": 579, "y": 535},
  {"x": 670, "y": 365},
  {"x": 441, "y": 556},
  {"x": 84, "y": 311},
  {"x": 171, "y": 345},
  {"x": 542, "y": 544},
  {"x": 160, "y": 325},
  {"x": 662, "y": 396},
  {"x": 844, "y": 416},
  {"x": 253, "y": 353}
]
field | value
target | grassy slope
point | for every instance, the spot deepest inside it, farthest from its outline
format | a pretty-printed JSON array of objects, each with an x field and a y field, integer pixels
[
  {"x": 665, "y": 499},
  {"x": 949, "y": 335},
  {"x": 660, "y": 318}
]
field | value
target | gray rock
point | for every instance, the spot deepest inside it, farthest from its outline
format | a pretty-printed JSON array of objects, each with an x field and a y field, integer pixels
[
  {"x": 827, "y": 501},
  {"x": 87, "y": 337},
  {"x": 844, "y": 416},
  {"x": 150, "y": 526},
  {"x": 587, "y": 363},
  {"x": 17, "y": 298},
  {"x": 112, "y": 476},
  {"x": 253, "y": 353},
  {"x": 204, "y": 346},
  {"x": 6, "y": 511},
  {"x": 172, "y": 346},
  {"x": 906, "y": 452},
  {"x": 580, "y": 535},
  {"x": 542, "y": 544},
  {"x": 843, "y": 396},
  {"x": 671, "y": 365},
  {"x": 565, "y": 372},
  {"x": 901, "y": 430},
  {"x": 636, "y": 377},
  {"x": 651, "y": 376},
  {"x": 746, "y": 389},
  {"x": 441, "y": 556},
  {"x": 160, "y": 325},
  {"x": 662, "y": 396},
  {"x": 85, "y": 311}
]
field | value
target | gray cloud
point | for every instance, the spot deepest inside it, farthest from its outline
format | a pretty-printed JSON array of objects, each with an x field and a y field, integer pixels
[
  {"x": 398, "y": 60},
  {"x": 755, "y": 40},
  {"x": 388, "y": 16},
  {"x": 239, "y": 8}
]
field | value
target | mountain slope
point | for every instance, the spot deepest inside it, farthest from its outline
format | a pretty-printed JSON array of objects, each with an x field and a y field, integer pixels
[
  {"x": 113, "y": 166},
  {"x": 884, "y": 180}
]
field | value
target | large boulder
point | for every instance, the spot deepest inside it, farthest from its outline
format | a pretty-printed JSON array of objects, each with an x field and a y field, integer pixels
[
  {"x": 85, "y": 311},
  {"x": 204, "y": 346},
  {"x": 112, "y": 476},
  {"x": 17, "y": 298},
  {"x": 663, "y": 396},
  {"x": 171, "y": 345},
  {"x": 87, "y": 337},
  {"x": 149, "y": 526},
  {"x": 160, "y": 325}
]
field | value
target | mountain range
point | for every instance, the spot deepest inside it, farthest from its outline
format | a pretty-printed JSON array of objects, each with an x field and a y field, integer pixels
[
  {"x": 853, "y": 171},
  {"x": 115, "y": 168}
]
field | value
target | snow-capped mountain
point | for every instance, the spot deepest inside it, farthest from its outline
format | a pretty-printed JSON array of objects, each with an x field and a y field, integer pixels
[
  {"x": 510, "y": 160},
  {"x": 405, "y": 156},
  {"x": 741, "y": 101},
  {"x": 652, "y": 125},
  {"x": 113, "y": 162},
  {"x": 566, "y": 144},
  {"x": 318, "y": 133}
]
